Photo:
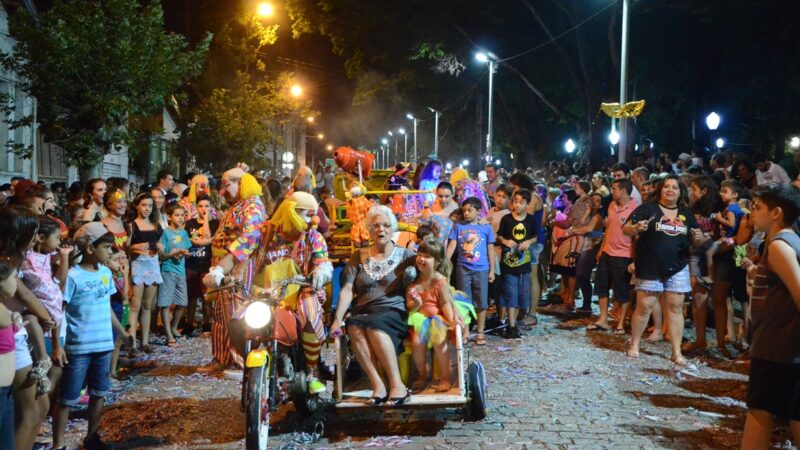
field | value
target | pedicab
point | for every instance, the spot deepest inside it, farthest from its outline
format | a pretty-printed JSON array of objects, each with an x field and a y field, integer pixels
[
  {"x": 352, "y": 391},
  {"x": 469, "y": 393}
]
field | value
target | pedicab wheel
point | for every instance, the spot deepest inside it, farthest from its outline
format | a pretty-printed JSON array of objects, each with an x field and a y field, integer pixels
[
  {"x": 477, "y": 406},
  {"x": 306, "y": 404},
  {"x": 257, "y": 420}
]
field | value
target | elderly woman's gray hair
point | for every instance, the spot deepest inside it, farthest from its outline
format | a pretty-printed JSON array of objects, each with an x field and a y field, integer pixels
[{"x": 378, "y": 211}]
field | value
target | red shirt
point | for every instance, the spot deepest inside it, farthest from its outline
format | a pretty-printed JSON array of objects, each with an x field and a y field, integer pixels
[{"x": 616, "y": 242}]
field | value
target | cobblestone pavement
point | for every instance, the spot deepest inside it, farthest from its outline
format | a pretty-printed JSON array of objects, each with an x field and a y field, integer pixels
[{"x": 560, "y": 387}]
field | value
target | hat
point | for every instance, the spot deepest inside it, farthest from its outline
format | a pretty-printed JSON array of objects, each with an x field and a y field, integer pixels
[
  {"x": 685, "y": 157},
  {"x": 89, "y": 234}
]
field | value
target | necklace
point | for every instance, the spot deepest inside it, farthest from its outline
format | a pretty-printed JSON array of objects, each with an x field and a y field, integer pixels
[
  {"x": 671, "y": 208},
  {"x": 377, "y": 269}
]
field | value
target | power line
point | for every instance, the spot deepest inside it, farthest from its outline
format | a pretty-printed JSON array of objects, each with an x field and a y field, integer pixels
[{"x": 550, "y": 41}]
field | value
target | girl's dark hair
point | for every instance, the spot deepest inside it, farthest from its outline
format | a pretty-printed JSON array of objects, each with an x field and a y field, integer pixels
[
  {"x": 683, "y": 198},
  {"x": 571, "y": 195},
  {"x": 174, "y": 208},
  {"x": 433, "y": 248},
  {"x": 585, "y": 186},
  {"x": 8, "y": 264},
  {"x": 47, "y": 226},
  {"x": 19, "y": 226},
  {"x": 274, "y": 187},
  {"x": 89, "y": 189},
  {"x": 521, "y": 180},
  {"x": 427, "y": 171},
  {"x": 445, "y": 185},
  {"x": 202, "y": 197},
  {"x": 146, "y": 196},
  {"x": 709, "y": 203}
]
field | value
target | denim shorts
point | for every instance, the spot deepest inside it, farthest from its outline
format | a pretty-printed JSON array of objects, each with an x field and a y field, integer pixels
[
  {"x": 475, "y": 283},
  {"x": 516, "y": 291},
  {"x": 678, "y": 283},
  {"x": 94, "y": 368},
  {"x": 172, "y": 290}
]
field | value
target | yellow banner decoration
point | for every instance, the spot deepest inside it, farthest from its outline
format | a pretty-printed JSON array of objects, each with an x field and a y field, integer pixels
[{"x": 617, "y": 111}]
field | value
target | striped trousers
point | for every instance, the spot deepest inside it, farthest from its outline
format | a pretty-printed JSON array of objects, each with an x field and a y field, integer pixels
[{"x": 225, "y": 306}]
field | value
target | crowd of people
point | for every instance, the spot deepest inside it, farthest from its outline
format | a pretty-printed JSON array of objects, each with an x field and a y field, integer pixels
[{"x": 92, "y": 271}]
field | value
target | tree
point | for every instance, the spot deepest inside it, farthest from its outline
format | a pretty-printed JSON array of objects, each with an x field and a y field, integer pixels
[
  {"x": 242, "y": 107},
  {"x": 93, "y": 65}
]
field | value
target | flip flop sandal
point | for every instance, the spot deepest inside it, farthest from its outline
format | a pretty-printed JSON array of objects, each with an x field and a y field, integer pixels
[
  {"x": 596, "y": 327},
  {"x": 480, "y": 340},
  {"x": 619, "y": 331}
]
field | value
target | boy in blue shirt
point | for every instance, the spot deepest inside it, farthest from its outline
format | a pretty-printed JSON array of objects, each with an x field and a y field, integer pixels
[
  {"x": 475, "y": 259},
  {"x": 176, "y": 243},
  {"x": 729, "y": 220},
  {"x": 89, "y": 319}
]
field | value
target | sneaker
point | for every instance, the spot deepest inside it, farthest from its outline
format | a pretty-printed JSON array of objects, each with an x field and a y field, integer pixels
[
  {"x": 513, "y": 333},
  {"x": 95, "y": 443},
  {"x": 314, "y": 385}
]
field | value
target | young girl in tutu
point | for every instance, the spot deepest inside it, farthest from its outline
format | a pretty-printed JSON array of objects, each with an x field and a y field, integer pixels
[{"x": 432, "y": 313}]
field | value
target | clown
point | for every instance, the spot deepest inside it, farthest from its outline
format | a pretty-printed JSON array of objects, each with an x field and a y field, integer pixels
[
  {"x": 198, "y": 185},
  {"x": 291, "y": 237},
  {"x": 233, "y": 248}
]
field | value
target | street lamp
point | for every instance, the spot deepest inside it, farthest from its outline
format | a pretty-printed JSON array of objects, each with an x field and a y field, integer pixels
[
  {"x": 720, "y": 142},
  {"x": 712, "y": 121},
  {"x": 465, "y": 163},
  {"x": 320, "y": 136},
  {"x": 296, "y": 90},
  {"x": 795, "y": 142},
  {"x": 411, "y": 117},
  {"x": 490, "y": 59},
  {"x": 265, "y": 10},
  {"x": 613, "y": 137},
  {"x": 496, "y": 162},
  {"x": 448, "y": 166},
  {"x": 569, "y": 146},
  {"x": 435, "y": 133},
  {"x": 310, "y": 119}
]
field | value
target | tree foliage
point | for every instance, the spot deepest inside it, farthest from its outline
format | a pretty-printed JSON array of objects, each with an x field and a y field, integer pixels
[
  {"x": 95, "y": 64},
  {"x": 244, "y": 106}
]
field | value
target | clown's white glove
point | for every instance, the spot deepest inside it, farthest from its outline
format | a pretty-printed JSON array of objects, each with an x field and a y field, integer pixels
[
  {"x": 213, "y": 278},
  {"x": 321, "y": 276}
]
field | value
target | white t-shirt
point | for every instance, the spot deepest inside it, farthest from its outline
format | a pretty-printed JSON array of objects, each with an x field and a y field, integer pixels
[
  {"x": 775, "y": 174},
  {"x": 636, "y": 195}
]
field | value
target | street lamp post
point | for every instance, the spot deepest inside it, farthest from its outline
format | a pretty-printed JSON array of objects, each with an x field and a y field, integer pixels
[
  {"x": 405, "y": 143},
  {"x": 414, "y": 119},
  {"x": 491, "y": 60},
  {"x": 435, "y": 132},
  {"x": 623, "y": 82},
  {"x": 395, "y": 145},
  {"x": 384, "y": 148}
]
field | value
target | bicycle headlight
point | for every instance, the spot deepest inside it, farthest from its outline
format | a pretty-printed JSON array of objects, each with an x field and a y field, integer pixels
[{"x": 257, "y": 315}]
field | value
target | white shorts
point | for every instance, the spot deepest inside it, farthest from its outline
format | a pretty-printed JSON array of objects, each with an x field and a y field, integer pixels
[
  {"x": 677, "y": 283},
  {"x": 22, "y": 353}
]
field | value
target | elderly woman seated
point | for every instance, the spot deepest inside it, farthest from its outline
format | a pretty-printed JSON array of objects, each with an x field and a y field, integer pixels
[{"x": 373, "y": 288}]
